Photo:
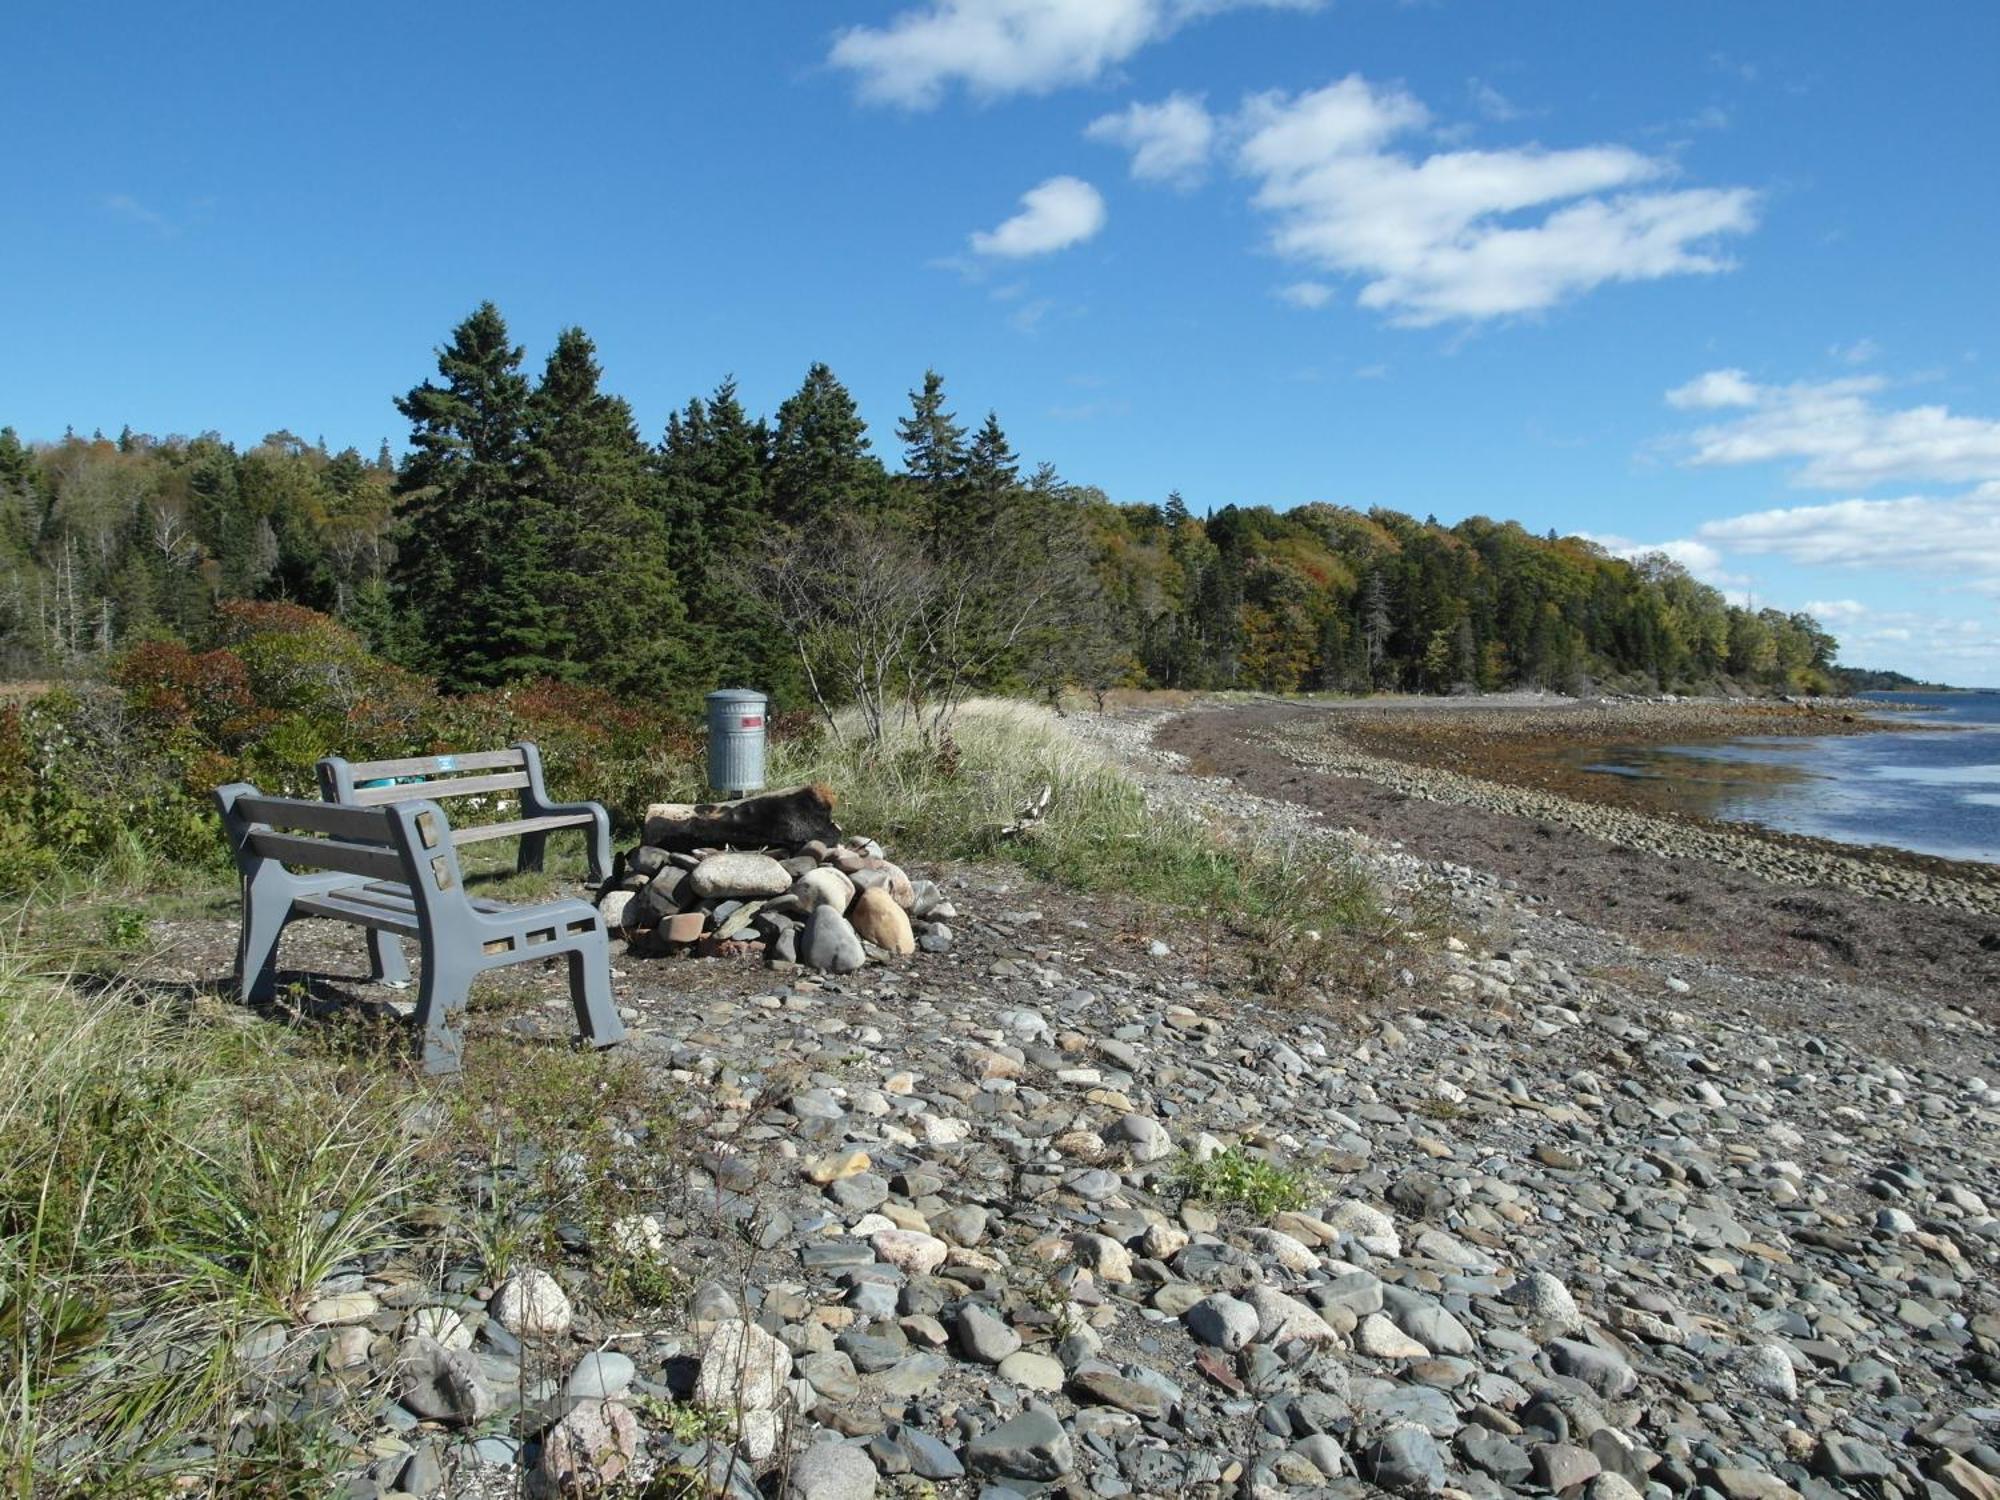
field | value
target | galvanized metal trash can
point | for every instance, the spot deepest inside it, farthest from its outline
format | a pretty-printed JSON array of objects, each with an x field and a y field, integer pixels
[{"x": 736, "y": 741}]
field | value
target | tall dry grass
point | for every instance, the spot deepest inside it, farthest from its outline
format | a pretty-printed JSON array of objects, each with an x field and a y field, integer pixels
[
  {"x": 171, "y": 1179},
  {"x": 1099, "y": 833}
]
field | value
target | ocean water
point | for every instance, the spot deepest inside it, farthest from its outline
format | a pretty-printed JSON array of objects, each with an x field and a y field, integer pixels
[{"x": 1926, "y": 791}]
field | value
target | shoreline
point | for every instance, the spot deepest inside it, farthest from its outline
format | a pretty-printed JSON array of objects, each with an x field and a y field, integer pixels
[
  {"x": 1762, "y": 904},
  {"x": 1459, "y": 752}
]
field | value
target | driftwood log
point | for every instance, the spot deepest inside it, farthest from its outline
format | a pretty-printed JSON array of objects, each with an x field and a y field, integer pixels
[{"x": 789, "y": 818}]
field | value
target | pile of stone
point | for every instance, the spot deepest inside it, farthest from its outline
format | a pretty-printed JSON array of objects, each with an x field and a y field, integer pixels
[{"x": 828, "y": 906}]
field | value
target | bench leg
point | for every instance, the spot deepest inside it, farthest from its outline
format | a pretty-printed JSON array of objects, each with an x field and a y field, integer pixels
[
  {"x": 534, "y": 849},
  {"x": 386, "y": 964},
  {"x": 590, "y": 996},
  {"x": 257, "y": 950},
  {"x": 438, "y": 995},
  {"x": 599, "y": 834}
]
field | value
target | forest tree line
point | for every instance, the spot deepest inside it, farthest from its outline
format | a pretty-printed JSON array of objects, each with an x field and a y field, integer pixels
[{"x": 530, "y": 530}]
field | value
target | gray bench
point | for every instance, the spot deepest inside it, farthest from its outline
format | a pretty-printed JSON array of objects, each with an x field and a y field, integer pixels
[
  {"x": 394, "y": 871},
  {"x": 370, "y": 783}
]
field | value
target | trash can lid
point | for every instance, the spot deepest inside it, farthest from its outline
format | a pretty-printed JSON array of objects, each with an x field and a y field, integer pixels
[{"x": 735, "y": 695}]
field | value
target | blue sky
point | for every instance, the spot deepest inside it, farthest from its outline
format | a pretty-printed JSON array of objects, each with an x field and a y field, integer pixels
[{"x": 1701, "y": 274}]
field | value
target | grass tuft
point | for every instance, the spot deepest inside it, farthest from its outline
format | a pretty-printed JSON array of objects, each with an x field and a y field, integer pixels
[
  {"x": 1232, "y": 1176},
  {"x": 159, "y": 1196},
  {"x": 1099, "y": 832}
]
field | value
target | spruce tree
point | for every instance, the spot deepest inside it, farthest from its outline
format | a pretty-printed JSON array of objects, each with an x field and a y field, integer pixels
[
  {"x": 15, "y": 461},
  {"x": 991, "y": 466},
  {"x": 473, "y": 560},
  {"x": 820, "y": 463},
  {"x": 933, "y": 453},
  {"x": 712, "y": 466},
  {"x": 607, "y": 548},
  {"x": 988, "y": 488}
]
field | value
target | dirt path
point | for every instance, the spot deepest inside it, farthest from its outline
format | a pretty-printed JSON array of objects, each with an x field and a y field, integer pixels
[{"x": 1669, "y": 904}]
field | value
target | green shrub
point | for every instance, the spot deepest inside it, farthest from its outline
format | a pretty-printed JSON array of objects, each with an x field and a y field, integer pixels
[{"x": 1232, "y": 1176}]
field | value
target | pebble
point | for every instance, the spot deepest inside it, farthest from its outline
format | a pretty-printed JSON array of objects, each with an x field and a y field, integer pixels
[
  {"x": 601, "y": 1374},
  {"x": 1031, "y": 1446},
  {"x": 831, "y": 1471},
  {"x": 531, "y": 1305}
]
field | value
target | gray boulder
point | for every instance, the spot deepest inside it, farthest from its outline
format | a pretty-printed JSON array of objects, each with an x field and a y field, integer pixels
[
  {"x": 1031, "y": 1446},
  {"x": 440, "y": 1384},
  {"x": 831, "y": 943}
]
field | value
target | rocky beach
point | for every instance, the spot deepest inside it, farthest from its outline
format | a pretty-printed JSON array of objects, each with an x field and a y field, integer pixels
[{"x": 1550, "y": 1205}]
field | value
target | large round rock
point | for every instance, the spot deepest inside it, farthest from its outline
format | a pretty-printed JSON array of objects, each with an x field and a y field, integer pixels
[
  {"x": 831, "y": 1471},
  {"x": 1031, "y": 1446},
  {"x": 739, "y": 876},
  {"x": 830, "y": 943},
  {"x": 877, "y": 918},
  {"x": 824, "y": 886},
  {"x": 440, "y": 1384}
]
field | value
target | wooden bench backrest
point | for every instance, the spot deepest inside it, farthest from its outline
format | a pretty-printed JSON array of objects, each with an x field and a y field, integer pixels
[
  {"x": 438, "y": 776},
  {"x": 408, "y": 843}
]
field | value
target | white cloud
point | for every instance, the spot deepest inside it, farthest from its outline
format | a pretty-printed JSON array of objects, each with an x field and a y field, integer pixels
[
  {"x": 1836, "y": 611},
  {"x": 1955, "y": 538},
  {"x": 1718, "y": 388},
  {"x": 1836, "y": 431},
  {"x": 1841, "y": 433},
  {"x": 1860, "y": 352},
  {"x": 999, "y": 47},
  {"x": 1700, "y": 559},
  {"x": 1442, "y": 237},
  {"x": 125, "y": 206},
  {"x": 1307, "y": 294},
  {"x": 1946, "y": 646},
  {"x": 1491, "y": 103},
  {"x": 1170, "y": 141},
  {"x": 1061, "y": 212}
]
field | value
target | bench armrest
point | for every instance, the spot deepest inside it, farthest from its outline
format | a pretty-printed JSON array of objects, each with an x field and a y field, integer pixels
[{"x": 535, "y": 803}]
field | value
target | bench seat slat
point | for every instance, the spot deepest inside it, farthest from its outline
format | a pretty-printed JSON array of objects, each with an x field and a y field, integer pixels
[
  {"x": 461, "y": 786},
  {"x": 342, "y": 907},
  {"x": 398, "y": 898},
  {"x": 370, "y": 860},
  {"x": 434, "y": 765},
  {"x": 383, "y": 904},
  {"x": 478, "y": 831}
]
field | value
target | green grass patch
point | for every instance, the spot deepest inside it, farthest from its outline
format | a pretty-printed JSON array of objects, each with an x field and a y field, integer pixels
[
  {"x": 1235, "y": 1177},
  {"x": 179, "y": 1178},
  {"x": 169, "y": 1178}
]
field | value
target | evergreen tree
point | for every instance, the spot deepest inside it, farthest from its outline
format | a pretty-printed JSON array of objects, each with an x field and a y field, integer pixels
[
  {"x": 933, "y": 452},
  {"x": 607, "y": 547},
  {"x": 820, "y": 463},
  {"x": 1376, "y": 622},
  {"x": 473, "y": 564},
  {"x": 712, "y": 465},
  {"x": 16, "y": 463},
  {"x": 990, "y": 465},
  {"x": 986, "y": 496}
]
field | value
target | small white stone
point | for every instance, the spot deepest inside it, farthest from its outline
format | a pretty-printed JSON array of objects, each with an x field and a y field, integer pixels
[
  {"x": 910, "y": 1251},
  {"x": 743, "y": 1368},
  {"x": 1768, "y": 1368},
  {"x": 1378, "y": 1337},
  {"x": 441, "y": 1324},
  {"x": 530, "y": 1304}
]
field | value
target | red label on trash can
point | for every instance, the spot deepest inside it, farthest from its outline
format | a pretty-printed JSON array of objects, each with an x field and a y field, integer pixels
[{"x": 752, "y": 721}]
